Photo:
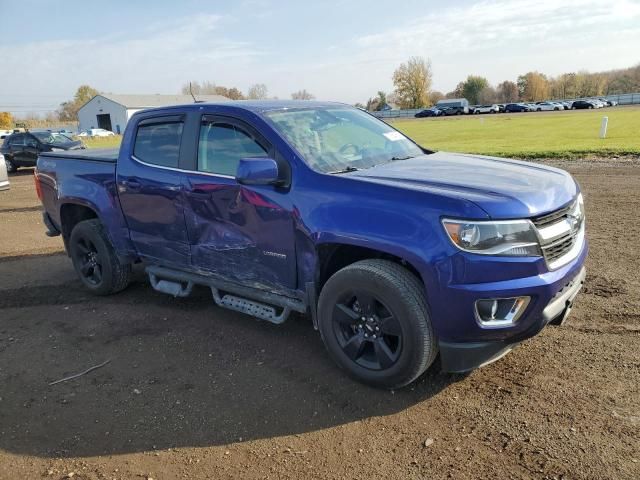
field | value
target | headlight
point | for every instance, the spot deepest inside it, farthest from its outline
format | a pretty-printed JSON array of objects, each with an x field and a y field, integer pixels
[
  {"x": 509, "y": 237},
  {"x": 54, "y": 149}
]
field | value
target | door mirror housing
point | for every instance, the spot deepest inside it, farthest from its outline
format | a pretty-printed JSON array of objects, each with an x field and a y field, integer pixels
[{"x": 258, "y": 171}]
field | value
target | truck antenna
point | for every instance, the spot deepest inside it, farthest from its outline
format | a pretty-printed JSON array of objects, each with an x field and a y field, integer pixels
[{"x": 192, "y": 95}]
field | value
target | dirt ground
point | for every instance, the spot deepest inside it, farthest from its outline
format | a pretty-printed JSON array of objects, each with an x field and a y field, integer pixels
[{"x": 194, "y": 391}]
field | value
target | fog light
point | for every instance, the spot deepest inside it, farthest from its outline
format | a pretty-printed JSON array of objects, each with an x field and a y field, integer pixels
[{"x": 500, "y": 312}]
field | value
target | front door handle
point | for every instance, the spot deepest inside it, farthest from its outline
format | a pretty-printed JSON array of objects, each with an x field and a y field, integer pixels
[{"x": 132, "y": 184}]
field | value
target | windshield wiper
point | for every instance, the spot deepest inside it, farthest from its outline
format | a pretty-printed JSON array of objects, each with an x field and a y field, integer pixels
[
  {"x": 402, "y": 158},
  {"x": 345, "y": 170}
]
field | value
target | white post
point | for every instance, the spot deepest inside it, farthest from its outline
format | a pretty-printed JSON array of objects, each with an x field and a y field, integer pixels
[{"x": 603, "y": 127}]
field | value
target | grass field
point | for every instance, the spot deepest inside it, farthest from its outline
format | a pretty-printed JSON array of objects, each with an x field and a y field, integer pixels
[
  {"x": 525, "y": 135},
  {"x": 102, "y": 142},
  {"x": 531, "y": 135}
]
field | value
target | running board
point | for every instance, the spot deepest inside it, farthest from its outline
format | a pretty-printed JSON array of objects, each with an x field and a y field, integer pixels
[
  {"x": 177, "y": 289},
  {"x": 250, "y": 307},
  {"x": 263, "y": 304}
]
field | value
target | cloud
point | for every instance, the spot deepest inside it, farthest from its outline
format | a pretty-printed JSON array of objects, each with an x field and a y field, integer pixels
[
  {"x": 498, "y": 39},
  {"x": 157, "y": 58},
  {"x": 501, "y": 39}
]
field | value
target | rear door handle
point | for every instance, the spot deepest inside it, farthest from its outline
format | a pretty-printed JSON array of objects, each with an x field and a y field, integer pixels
[{"x": 201, "y": 194}]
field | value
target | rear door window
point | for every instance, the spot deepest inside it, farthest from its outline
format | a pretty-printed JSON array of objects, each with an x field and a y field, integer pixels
[
  {"x": 159, "y": 143},
  {"x": 17, "y": 141}
]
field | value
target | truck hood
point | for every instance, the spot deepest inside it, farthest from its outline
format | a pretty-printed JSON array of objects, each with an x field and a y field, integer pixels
[{"x": 501, "y": 187}]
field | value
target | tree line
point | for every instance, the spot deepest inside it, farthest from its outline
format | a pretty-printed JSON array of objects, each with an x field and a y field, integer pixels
[
  {"x": 412, "y": 81},
  {"x": 258, "y": 91}
]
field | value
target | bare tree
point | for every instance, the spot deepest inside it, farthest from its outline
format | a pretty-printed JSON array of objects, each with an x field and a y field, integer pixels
[
  {"x": 435, "y": 96},
  {"x": 210, "y": 88},
  {"x": 302, "y": 95},
  {"x": 507, "y": 92},
  {"x": 487, "y": 95},
  {"x": 257, "y": 92},
  {"x": 413, "y": 82}
]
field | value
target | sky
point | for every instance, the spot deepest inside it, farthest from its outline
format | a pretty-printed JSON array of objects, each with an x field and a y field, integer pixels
[{"x": 338, "y": 50}]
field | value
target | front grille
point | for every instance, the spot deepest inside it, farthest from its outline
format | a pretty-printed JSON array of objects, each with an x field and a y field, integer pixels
[
  {"x": 557, "y": 247},
  {"x": 551, "y": 218}
]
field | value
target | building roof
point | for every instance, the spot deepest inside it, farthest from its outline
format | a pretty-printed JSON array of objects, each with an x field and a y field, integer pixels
[{"x": 148, "y": 101}]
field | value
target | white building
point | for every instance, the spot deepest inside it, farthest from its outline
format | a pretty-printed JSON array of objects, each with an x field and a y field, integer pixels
[{"x": 112, "y": 112}]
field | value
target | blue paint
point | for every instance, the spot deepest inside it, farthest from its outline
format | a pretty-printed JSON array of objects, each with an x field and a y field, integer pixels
[{"x": 268, "y": 235}]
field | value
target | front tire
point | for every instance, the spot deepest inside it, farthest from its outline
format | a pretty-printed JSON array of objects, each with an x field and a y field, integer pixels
[
  {"x": 11, "y": 167},
  {"x": 375, "y": 323},
  {"x": 95, "y": 259}
]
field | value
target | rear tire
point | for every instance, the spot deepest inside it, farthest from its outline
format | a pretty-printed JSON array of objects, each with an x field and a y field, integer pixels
[
  {"x": 395, "y": 342},
  {"x": 95, "y": 259}
]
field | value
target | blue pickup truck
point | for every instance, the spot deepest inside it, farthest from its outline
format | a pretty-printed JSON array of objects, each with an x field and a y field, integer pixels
[{"x": 398, "y": 254}]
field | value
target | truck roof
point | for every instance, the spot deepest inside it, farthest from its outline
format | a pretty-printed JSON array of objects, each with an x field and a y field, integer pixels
[{"x": 257, "y": 106}]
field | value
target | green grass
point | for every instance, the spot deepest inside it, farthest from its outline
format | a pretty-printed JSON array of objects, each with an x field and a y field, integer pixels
[
  {"x": 102, "y": 142},
  {"x": 567, "y": 134},
  {"x": 525, "y": 135}
]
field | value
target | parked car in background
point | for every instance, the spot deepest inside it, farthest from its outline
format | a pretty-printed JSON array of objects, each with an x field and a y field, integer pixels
[
  {"x": 96, "y": 132},
  {"x": 454, "y": 106},
  {"x": 582, "y": 104},
  {"x": 547, "y": 106},
  {"x": 486, "y": 109},
  {"x": 567, "y": 104},
  {"x": 429, "y": 112},
  {"x": 5, "y": 133},
  {"x": 22, "y": 149},
  {"x": 485, "y": 253},
  {"x": 611, "y": 103},
  {"x": 516, "y": 107},
  {"x": 501, "y": 107},
  {"x": 4, "y": 177}
]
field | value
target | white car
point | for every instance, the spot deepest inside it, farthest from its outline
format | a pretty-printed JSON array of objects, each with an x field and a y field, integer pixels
[
  {"x": 598, "y": 103},
  {"x": 4, "y": 176},
  {"x": 96, "y": 132},
  {"x": 486, "y": 109},
  {"x": 547, "y": 107}
]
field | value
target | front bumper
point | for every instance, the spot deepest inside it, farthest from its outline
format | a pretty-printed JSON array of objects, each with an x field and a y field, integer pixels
[{"x": 464, "y": 356}]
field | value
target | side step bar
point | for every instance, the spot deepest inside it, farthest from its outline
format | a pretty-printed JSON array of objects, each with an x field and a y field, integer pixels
[{"x": 251, "y": 301}]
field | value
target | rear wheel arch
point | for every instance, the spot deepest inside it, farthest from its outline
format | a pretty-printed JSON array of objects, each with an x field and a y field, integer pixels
[{"x": 73, "y": 213}]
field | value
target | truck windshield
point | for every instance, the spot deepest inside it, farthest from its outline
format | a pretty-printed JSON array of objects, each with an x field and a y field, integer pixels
[{"x": 341, "y": 139}]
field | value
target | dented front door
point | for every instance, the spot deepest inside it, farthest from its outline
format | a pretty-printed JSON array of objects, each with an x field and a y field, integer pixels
[{"x": 241, "y": 232}]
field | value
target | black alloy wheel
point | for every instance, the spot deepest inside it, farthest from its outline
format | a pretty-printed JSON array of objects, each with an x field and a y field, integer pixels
[
  {"x": 88, "y": 260},
  {"x": 95, "y": 260},
  {"x": 367, "y": 331},
  {"x": 374, "y": 320}
]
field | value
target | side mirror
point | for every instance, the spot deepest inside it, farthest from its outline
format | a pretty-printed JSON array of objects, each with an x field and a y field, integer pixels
[{"x": 257, "y": 171}]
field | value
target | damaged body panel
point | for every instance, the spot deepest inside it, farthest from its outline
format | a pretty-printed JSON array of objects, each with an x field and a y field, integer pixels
[{"x": 395, "y": 252}]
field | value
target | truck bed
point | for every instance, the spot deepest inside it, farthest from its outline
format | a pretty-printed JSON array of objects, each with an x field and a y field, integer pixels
[{"x": 108, "y": 155}]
